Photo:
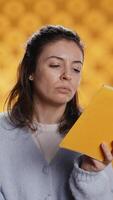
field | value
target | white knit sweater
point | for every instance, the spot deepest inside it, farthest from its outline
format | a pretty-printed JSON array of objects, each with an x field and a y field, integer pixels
[{"x": 25, "y": 174}]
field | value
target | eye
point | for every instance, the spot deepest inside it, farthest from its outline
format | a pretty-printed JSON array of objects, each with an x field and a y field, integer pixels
[
  {"x": 54, "y": 66},
  {"x": 77, "y": 70}
]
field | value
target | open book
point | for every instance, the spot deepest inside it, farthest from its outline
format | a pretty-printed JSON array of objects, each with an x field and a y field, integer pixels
[{"x": 94, "y": 126}]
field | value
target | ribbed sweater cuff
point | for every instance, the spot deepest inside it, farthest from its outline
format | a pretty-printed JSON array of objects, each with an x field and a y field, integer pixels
[{"x": 83, "y": 175}]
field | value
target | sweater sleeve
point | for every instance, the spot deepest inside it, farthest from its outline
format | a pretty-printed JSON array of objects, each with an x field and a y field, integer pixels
[{"x": 86, "y": 185}]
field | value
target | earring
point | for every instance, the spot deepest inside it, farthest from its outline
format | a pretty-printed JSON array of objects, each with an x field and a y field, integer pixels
[{"x": 30, "y": 78}]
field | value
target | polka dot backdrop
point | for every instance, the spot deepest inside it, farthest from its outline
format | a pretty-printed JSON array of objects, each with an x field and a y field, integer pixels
[{"x": 92, "y": 20}]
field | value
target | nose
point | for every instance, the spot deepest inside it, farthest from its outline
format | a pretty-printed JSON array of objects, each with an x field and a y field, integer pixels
[{"x": 65, "y": 75}]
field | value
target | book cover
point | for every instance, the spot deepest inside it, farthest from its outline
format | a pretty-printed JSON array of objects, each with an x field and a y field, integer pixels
[{"x": 94, "y": 126}]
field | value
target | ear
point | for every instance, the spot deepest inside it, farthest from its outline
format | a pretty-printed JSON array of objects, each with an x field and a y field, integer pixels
[{"x": 31, "y": 78}]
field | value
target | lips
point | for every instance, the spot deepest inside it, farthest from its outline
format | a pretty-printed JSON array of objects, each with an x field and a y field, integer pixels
[{"x": 64, "y": 89}]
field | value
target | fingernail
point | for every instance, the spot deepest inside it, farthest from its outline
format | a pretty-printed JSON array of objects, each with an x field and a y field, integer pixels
[{"x": 104, "y": 144}]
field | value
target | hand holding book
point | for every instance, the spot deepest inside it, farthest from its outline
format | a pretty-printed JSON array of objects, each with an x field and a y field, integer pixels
[{"x": 90, "y": 164}]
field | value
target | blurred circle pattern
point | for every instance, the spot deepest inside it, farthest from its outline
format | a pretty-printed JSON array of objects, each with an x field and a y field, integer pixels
[{"x": 91, "y": 19}]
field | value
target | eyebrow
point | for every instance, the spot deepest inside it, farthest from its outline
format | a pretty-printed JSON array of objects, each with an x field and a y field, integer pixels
[{"x": 75, "y": 61}]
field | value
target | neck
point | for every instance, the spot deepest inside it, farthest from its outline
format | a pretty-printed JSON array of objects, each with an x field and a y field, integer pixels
[{"x": 48, "y": 114}]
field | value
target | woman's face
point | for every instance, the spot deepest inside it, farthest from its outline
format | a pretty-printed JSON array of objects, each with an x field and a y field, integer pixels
[{"x": 58, "y": 72}]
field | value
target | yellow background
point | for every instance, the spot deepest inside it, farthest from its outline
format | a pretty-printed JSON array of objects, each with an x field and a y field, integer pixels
[{"x": 91, "y": 19}]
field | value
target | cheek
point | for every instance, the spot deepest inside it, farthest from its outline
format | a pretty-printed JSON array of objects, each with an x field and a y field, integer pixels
[
  {"x": 45, "y": 81},
  {"x": 76, "y": 82},
  {"x": 79, "y": 79}
]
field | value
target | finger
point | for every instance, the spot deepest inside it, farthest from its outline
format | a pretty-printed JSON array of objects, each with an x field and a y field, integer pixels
[
  {"x": 91, "y": 164},
  {"x": 112, "y": 152},
  {"x": 108, "y": 157},
  {"x": 112, "y": 148}
]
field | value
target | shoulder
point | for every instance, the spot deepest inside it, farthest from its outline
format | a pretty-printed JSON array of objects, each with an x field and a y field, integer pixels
[
  {"x": 3, "y": 115},
  {"x": 4, "y": 121},
  {"x": 6, "y": 126},
  {"x": 8, "y": 129}
]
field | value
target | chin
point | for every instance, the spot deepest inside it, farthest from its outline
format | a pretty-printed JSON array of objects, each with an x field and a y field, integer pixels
[{"x": 61, "y": 101}]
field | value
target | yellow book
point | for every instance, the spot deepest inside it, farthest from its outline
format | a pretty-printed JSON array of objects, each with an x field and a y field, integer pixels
[{"x": 94, "y": 126}]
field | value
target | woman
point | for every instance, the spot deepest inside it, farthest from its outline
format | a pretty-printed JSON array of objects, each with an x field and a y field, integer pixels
[{"x": 42, "y": 107}]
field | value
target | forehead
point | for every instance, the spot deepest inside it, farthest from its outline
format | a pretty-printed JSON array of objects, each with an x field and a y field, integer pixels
[{"x": 62, "y": 48}]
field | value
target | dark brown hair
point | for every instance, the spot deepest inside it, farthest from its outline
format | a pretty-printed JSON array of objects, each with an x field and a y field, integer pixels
[{"x": 20, "y": 99}]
